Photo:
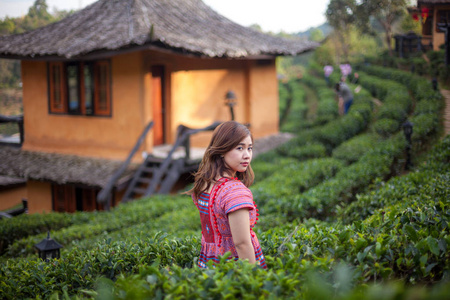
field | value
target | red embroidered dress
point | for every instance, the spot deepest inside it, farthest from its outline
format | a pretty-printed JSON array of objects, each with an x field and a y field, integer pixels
[{"x": 226, "y": 196}]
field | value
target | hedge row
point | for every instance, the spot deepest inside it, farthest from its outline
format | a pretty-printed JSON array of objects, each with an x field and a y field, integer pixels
[
  {"x": 396, "y": 106},
  {"x": 407, "y": 240},
  {"x": 334, "y": 132},
  {"x": 327, "y": 109},
  {"x": 27, "y": 225},
  {"x": 122, "y": 216},
  {"x": 295, "y": 178},
  {"x": 322, "y": 200},
  {"x": 404, "y": 240},
  {"x": 429, "y": 105},
  {"x": 295, "y": 111},
  {"x": 351, "y": 150},
  {"x": 433, "y": 172}
]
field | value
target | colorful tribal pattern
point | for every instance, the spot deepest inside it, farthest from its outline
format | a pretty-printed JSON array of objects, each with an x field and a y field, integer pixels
[{"x": 227, "y": 196}]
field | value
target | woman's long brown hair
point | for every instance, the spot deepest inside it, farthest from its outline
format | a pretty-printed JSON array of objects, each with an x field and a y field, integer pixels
[{"x": 225, "y": 138}]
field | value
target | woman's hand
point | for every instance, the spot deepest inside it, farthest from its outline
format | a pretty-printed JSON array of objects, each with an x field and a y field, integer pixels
[{"x": 240, "y": 231}]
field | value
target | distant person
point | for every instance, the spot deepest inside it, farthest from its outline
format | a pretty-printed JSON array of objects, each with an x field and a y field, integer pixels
[
  {"x": 327, "y": 70},
  {"x": 346, "y": 69},
  {"x": 355, "y": 79},
  {"x": 227, "y": 210},
  {"x": 345, "y": 97}
]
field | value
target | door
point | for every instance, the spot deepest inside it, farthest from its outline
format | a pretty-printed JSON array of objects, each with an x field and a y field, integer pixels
[{"x": 159, "y": 107}]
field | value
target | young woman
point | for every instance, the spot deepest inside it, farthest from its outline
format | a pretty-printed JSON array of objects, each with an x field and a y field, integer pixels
[{"x": 227, "y": 210}]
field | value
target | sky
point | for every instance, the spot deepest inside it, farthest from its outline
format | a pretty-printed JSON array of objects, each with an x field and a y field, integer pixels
[{"x": 290, "y": 16}]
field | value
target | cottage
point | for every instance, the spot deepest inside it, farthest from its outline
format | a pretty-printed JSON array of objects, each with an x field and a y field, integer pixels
[
  {"x": 93, "y": 81},
  {"x": 433, "y": 13}
]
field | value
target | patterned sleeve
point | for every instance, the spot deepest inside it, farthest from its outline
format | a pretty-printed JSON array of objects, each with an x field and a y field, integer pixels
[{"x": 236, "y": 196}]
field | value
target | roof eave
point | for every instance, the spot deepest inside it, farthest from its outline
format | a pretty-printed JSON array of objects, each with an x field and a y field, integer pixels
[{"x": 108, "y": 53}]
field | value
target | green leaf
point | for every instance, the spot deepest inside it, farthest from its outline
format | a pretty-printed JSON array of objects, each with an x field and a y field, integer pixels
[
  {"x": 411, "y": 232},
  {"x": 442, "y": 245},
  {"x": 434, "y": 245},
  {"x": 429, "y": 267},
  {"x": 423, "y": 260},
  {"x": 360, "y": 256}
]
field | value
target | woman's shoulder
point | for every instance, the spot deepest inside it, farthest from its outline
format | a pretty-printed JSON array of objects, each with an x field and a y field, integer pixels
[{"x": 235, "y": 186}]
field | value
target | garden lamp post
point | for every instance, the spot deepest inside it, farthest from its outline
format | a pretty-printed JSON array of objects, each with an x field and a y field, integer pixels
[
  {"x": 48, "y": 248},
  {"x": 408, "y": 130},
  {"x": 434, "y": 83},
  {"x": 230, "y": 101}
]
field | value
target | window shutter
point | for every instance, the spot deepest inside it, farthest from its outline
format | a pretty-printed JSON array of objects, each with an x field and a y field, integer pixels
[
  {"x": 64, "y": 198},
  {"x": 102, "y": 88},
  {"x": 89, "y": 200},
  {"x": 57, "y": 93}
]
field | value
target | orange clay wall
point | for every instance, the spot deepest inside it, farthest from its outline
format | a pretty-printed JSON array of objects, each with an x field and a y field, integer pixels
[
  {"x": 195, "y": 92},
  {"x": 12, "y": 197},
  {"x": 198, "y": 87},
  {"x": 438, "y": 37},
  {"x": 109, "y": 137},
  {"x": 39, "y": 197}
]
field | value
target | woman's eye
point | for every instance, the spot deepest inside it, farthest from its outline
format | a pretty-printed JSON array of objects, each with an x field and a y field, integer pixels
[
  {"x": 250, "y": 148},
  {"x": 239, "y": 148}
]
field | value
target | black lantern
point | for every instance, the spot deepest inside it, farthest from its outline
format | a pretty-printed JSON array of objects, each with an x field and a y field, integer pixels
[
  {"x": 230, "y": 101},
  {"x": 434, "y": 83},
  {"x": 408, "y": 130},
  {"x": 48, "y": 248}
]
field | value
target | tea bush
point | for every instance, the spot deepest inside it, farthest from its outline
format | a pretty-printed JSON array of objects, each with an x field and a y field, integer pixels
[
  {"x": 264, "y": 168},
  {"x": 123, "y": 215},
  {"x": 428, "y": 180},
  {"x": 386, "y": 127},
  {"x": 334, "y": 227},
  {"x": 295, "y": 178},
  {"x": 25, "y": 225},
  {"x": 351, "y": 150}
]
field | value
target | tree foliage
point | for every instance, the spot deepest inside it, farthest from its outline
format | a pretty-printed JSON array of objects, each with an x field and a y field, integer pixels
[
  {"x": 38, "y": 16},
  {"x": 341, "y": 14},
  {"x": 369, "y": 16},
  {"x": 316, "y": 35},
  {"x": 386, "y": 12}
]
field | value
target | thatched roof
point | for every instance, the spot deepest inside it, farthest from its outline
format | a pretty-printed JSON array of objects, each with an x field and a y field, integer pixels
[
  {"x": 186, "y": 26},
  {"x": 419, "y": 2},
  {"x": 58, "y": 168},
  {"x": 6, "y": 181}
]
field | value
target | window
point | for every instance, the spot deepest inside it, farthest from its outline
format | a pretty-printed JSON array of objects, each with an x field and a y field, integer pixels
[
  {"x": 67, "y": 198},
  {"x": 443, "y": 16},
  {"x": 80, "y": 88},
  {"x": 427, "y": 27},
  {"x": 56, "y": 88}
]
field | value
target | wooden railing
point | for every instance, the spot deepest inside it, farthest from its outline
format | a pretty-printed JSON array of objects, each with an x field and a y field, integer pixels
[
  {"x": 14, "y": 119},
  {"x": 16, "y": 211},
  {"x": 183, "y": 138},
  {"x": 105, "y": 193}
]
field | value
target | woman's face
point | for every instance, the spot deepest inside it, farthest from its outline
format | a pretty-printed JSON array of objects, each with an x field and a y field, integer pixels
[{"x": 239, "y": 158}]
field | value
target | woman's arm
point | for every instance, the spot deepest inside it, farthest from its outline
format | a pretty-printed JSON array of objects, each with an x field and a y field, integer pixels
[{"x": 240, "y": 231}]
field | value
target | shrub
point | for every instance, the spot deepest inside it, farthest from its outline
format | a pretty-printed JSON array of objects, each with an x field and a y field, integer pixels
[
  {"x": 386, "y": 127},
  {"x": 350, "y": 151}
]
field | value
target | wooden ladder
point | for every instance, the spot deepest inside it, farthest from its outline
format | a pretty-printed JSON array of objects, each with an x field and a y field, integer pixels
[{"x": 158, "y": 176}]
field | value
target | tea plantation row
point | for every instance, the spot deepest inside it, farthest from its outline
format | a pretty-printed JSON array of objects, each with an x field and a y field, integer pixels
[
  {"x": 333, "y": 224},
  {"x": 405, "y": 239}
]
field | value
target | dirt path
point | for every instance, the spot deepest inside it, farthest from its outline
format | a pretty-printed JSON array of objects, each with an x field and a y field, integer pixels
[
  {"x": 312, "y": 101},
  {"x": 446, "y": 94}
]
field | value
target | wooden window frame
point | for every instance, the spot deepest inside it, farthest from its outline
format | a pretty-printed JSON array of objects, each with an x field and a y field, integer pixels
[
  {"x": 54, "y": 106},
  {"x": 102, "y": 86},
  {"x": 99, "y": 85},
  {"x": 438, "y": 18},
  {"x": 64, "y": 198}
]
